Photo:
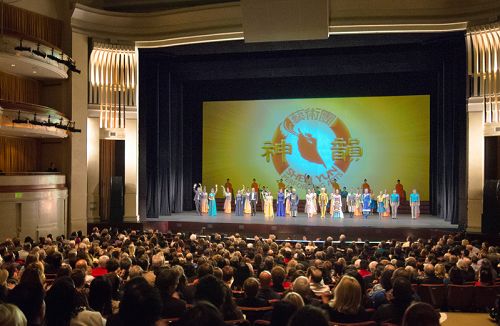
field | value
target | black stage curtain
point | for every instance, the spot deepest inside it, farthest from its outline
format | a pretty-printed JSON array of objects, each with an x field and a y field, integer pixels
[{"x": 174, "y": 82}]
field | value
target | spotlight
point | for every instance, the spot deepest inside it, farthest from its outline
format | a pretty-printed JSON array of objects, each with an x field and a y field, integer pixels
[
  {"x": 21, "y": 47},
  {"x": 60, "y": 125},
  {"x": 52, "y": 56},
  {"x": 71, "y": 127},
  {"x": 48, "y": 123},
  {"x": 61, "y": 59},
  {"x": 38, "y": 52},
  {"x": 72, "y": 66},
  {"x": 36, "y": 122},
  {"x": 19, "y": 120}
]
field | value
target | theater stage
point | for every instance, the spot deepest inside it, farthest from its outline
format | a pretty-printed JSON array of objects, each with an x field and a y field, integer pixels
[{"x": 372, "y": 229}]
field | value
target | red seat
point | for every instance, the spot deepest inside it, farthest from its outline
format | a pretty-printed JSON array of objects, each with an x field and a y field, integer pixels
[
  {"x": 433, "y": 294},
  {"x": 253, "y": 314},
  {"x": 484, "y": 296},
  {"x": 460, "y": 297}
]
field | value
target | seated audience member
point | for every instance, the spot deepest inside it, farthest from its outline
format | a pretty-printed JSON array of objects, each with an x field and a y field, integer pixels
[
  {"x": 485, "y": 277},
  {"x": 140, "y": 305},
  {"x": 309, "y": 315},
  {"x": 420, "y": 314},
  {"x": 282, "y": 311},
  {"x": 101, "y": 270},
  {"x": 440, "y": 272},
  {"x": 166, "y": 282},
  {"x": 316, "y": 282},
  {"x": 295, "y": 299},
  {"x": 3, "y": 284},
  {"x": 402, "y": 298},
  {"x": 429, "y": 276},
  {"x": 203, "y": 313},
  {"x": 278, "y": 275},
  {"x": 346, "y": 305},
  {"x": 10, "y": 315},
  {"x": 266, "y": 292},
  {"x": 302, "y": 286},
  {"x": 82, "y": 265},
  {"x": 78, "y": 278},
  {"x": 100, "y": 296},
  {"x": 456, "y": 276},
  {"x": 228, "y": 275},
  {"x": 251, "y": 289},
  {"x": 377, "y": 295},
  {"x": 62, "y": 309},
  {"x": 28, "y": 297}
]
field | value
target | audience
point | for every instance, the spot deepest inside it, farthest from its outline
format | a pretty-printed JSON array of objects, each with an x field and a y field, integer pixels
[{"x": 139, "y": 277}]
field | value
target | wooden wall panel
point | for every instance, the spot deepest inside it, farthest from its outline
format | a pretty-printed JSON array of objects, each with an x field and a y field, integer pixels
[
  {"x": 18, "y": 89},
  {"x": 19, "y": 154}
]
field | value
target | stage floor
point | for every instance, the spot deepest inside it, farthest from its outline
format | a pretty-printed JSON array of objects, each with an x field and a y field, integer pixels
[
  {"x": 373, "y": 228},
  {"x": 403, "y": 221}
]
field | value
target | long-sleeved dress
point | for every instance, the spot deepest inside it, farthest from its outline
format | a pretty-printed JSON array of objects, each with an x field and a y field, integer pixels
[
  {"x": 268, "y": 206},
  {"x": 238, "y": 209},
  {"x": 247, "y": 209},
  {"x": 212, "y": 206},
  {"x": 204, "y": 202},
  {"x": 280, "y": 204},
  {"x": 227, "y": 202}
]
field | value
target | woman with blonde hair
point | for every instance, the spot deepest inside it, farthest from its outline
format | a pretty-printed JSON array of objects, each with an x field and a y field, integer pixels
[
  {"x": 295, "y": 299},
  {"x": 346, "y": 304}
]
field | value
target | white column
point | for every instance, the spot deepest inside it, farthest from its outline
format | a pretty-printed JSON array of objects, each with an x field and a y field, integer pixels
[
  {"x": 78, "y": 176},
  {"x": 475, "y": 163}
]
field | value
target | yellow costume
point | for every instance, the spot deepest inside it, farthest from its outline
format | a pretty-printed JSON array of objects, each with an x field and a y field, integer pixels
[
  {"x": 268, "y": 206},
  {"x": 323, "y": 202}
]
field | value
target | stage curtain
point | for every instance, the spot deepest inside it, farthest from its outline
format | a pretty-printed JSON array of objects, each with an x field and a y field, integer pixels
[
  {"x": 106, "y": 171},
  {"x": 448, "y": 191},
  {"x": 162, "y": 149},
  {"x": 19, "y": 154}
]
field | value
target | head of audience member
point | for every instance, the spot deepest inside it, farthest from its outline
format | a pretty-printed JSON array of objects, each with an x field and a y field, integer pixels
[
  {"x": 282, "y": 311},
  {"x": 60, "y": 302},
  {"x": 301, "y": 285},
  {"x": 201, "y": 314},
  {"x": 295, "y": 299},
  {"x": 347, "y": 298},
  {"x": 141, "y": 303},
  {"x": 211, "y": 289},
  {"x": 309, "y": 315},
  {"x": 100, "y": 295},
  {"x": 29, "y": 297},
  {"x": 251, "y": 287},
  {"x": 401, "y": 290},
  {"x": 278, "y": 275},
  {"x": 32, "y": 274},
  {"x": 166, "y": 282},
  {"x": 420, "y": 314},
  {"x": 11, "y": 315}
]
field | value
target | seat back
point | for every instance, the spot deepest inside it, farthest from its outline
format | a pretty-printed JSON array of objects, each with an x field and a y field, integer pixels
[
  {"x": 484, "y": 296},
  {"x": 460, "y": 297},
  {"x": 433, "y": 294},
  {"x": 365, "y": 323},
  {"x": 253, "y": 314}
]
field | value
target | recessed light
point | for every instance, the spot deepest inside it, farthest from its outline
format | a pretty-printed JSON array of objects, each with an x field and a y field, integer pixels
[
  {"x": 13, "y": 65},
  {"x": 34, "y": 71}
]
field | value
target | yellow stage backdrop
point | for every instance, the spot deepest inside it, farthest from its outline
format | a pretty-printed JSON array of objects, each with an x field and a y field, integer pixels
[{"x": 349, "y": 139}]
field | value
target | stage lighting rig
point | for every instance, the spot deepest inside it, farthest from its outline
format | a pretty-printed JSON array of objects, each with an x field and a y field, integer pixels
[
  {"x": 19, "y": 120},
  {"x": 38, "y": 52},
  {"x": 22, "y": 48}
]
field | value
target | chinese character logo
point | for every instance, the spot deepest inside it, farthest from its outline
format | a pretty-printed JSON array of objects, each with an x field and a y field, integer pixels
[{"x": 312, "y": 142}]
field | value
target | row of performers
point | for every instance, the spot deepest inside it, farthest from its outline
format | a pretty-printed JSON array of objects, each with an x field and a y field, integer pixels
[{"x": 356, "y": 203}]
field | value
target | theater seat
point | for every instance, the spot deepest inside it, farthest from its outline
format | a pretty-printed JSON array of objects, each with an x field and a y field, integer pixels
[
  {"x": 260, "y": 322},
  {"x": 484, "y": 296},
  {"x": 365, "y": 323},
  {"x": 433, "y": 294},
  {"x": 238, "y": 322},
  {"x": 253, "y": 314},
  {"x": 460, "y": 297}
]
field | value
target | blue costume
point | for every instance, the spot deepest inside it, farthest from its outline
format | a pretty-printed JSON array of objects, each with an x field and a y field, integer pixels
[
  {"x": 367, "y": 200},
  {"x": 280, "y": 204},
  {"x": 212, "y": 207},
  {"x": 239, "y": 201}
]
